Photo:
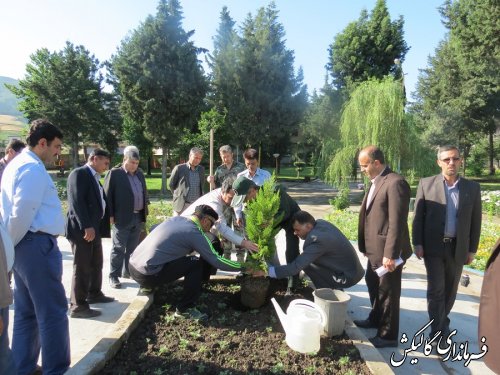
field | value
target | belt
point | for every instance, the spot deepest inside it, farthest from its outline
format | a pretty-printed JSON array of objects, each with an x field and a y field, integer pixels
[
  {"x": 45, "y": 234},
  {"x": 449, "y": 239}
]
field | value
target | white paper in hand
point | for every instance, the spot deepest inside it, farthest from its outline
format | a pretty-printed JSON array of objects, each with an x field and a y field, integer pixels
[{"x": 381, "y": 271}]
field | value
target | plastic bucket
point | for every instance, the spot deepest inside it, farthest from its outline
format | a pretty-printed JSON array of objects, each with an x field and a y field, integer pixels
[{"x": 334, "y": 303}]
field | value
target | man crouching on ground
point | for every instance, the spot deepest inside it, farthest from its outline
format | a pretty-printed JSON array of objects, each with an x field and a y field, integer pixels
[{"x": 165, "y": 256}]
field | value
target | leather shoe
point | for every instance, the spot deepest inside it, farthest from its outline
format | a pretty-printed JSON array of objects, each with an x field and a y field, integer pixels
[
  {"x": 114, "y": 282},
  {"x": 365, "y": 323},
  {"x": 379, "y": 342},
  {"x": 84, "y": 314},
  {"x": 100, "y": 299}
]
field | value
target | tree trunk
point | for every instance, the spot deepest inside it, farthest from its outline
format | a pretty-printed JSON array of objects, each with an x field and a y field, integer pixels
[
  {"x": 491, "y": 152},
  {"x": 149, "y": 165},
  {"x": 164, "y": 159},
  {"x": 74, "y": 153}
]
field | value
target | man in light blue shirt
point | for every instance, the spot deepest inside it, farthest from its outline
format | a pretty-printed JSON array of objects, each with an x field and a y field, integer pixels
[
  {"x": 253, "y": 172},
  {"x": 33, "y": 216}
]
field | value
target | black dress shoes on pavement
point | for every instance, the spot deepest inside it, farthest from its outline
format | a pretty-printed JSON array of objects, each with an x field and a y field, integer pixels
[
  {"x": 85, "y": 314},
  {"x": 379, "y": 342},
  {"x": 365, "y": 323},
  {"x": 114, "y": 282},
  {"x": 100, "y": 299}
]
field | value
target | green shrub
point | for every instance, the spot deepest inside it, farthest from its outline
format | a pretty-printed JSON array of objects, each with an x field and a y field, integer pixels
[
  {"x": 491, "y": 202},
  {"x": 489, "y": 236},
  {"x": 158, "y": 212},
  {"x": 346, "y": 221},
  {"x": 62, "y": 191},
  {"x": 341, "y": 200}
]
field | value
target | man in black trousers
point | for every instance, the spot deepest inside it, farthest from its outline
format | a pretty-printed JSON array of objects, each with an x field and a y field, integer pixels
[{"x": 87, "y": 222}]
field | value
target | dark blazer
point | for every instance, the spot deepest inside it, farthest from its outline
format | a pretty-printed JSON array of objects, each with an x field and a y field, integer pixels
[
  {"x": 179, "y": 184},
  {"x": 383, "y": 228},
  {"x": 430, "y": 217},
  {"x": 121, "y": 197},
  {"x": 85, "y": 206}
]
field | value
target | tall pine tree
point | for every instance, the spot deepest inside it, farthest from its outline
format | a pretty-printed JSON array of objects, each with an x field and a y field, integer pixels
[{"x": 160, "y": 78}]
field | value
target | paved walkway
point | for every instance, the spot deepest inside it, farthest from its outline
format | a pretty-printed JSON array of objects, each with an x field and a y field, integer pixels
[{"x": 94, "y": 341}]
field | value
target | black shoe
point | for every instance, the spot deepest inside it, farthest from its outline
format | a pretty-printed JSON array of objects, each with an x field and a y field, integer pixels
[
  {"x": 100, "y": 299},
  {"x": 379, "y": 342},
  {"x": 365, "y": 323},
  {"x": 84, "y": 314},
  {"x": 125, "y": 275},
  {"x": 114, "y": 282},
  {"x": 144, "y": 291}
]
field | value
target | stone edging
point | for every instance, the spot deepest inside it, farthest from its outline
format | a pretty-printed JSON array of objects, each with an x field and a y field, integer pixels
[
  {"x": 108, "y": 346},
  {"x": 371, "y": 355}
]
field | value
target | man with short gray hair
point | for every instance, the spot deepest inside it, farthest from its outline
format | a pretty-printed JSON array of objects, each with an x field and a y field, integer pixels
[
  {"x": 186, "y": 181},
  {"x": 228, "y": 169},
  {"x": 125, "y": 188},
  {"x": 446, "y": 231}
]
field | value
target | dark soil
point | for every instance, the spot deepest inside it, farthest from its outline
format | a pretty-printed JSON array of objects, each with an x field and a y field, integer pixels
[{"x": 235, "y": 340}]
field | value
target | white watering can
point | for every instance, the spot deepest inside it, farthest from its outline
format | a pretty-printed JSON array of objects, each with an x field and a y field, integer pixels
[{"x": 303, "y": 324}]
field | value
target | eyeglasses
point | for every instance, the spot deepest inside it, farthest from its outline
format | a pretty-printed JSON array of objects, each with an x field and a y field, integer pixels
[{"x": 447, "y": 160}]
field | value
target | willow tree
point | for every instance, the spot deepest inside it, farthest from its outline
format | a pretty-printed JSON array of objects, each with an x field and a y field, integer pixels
[{"x": 373, "y": 115}]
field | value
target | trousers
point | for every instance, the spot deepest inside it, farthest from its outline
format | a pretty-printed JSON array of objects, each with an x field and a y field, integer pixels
[
  {"x": 87, "y": 272},
  {"x": 189, "y": 267},
  {"x": 443, "y": 277},
  {"x": 385, "y": 292},
  {"x": 7, "y": 366},
  {"x": 40, "y": 310},
  {"x": 125, "y": 240}
]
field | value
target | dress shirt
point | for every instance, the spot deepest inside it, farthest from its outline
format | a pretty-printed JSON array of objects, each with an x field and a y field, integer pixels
[
  {"x": 137, "y": 190},
  {"x": 29, "y": 198},
  {"x": 451, "y": 193},
  {"x": 214, "y": 200},
  {"x": 97, "y": 177},
  {"x": 259, "y": 177},
  {"x": 194, "y": 191},
  {"x": 372, "y": 188}
]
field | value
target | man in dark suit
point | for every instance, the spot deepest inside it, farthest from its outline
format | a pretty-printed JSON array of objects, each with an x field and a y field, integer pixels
[
  {"x": 186, "y": 181},
  {"x": 86, "y": 223},
  {"x": 128, "y": 200},
  {"x": 446, "y": 230},
  {"x": 384, "y": 238}
]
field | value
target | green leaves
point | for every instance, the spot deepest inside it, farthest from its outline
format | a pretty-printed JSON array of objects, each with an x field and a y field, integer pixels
[
  {"x": 367, "y": 48},
  {"x": 262, "y": 223},
  {"x": 65, "y": 87}
]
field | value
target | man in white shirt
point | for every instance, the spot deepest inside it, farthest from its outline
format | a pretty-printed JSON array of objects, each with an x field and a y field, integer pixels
[
  {"x": 33, "y": 215},
  {"x": 217, "y": 199}
]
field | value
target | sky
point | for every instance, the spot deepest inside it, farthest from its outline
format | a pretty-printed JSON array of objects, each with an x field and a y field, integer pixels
[{"x": 310, "y": 27}]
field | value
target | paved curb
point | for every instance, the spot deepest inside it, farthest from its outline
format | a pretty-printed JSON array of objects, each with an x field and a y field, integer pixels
[
  {"x": 371, "y": 355},
  {"x": 108, "y": 346}
]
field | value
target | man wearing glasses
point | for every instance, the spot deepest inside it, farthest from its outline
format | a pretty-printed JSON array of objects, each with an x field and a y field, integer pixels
[
  {"x": 166, "y": 255},
  {"x": 446, "y": 229}
]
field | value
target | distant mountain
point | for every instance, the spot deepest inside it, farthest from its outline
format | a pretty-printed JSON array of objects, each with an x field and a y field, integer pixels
[{"x": 8, "y": 101}]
